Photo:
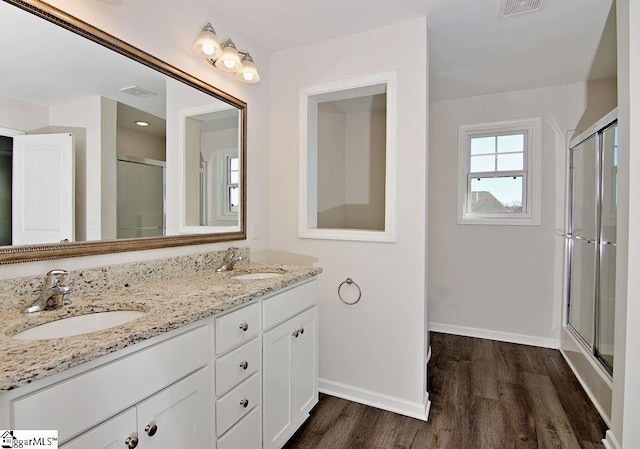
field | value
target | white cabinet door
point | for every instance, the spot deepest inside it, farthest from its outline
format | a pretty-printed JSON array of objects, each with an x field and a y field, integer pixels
[
  {"x": 290, "y": 372},
  {"x": 116, "y": 433},
  {"x": 178, "y": 416},
  {"x": 277, "y": 384},
  {"x": 305, "y": 364}
]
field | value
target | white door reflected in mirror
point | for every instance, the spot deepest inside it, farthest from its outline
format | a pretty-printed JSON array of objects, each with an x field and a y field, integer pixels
[{"x": 43, "y": 189}]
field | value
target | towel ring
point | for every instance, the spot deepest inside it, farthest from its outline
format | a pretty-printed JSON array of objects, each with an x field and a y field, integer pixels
[{"x": 349, "y": 281}]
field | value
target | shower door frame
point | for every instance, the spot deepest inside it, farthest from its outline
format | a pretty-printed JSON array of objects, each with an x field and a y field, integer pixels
[
  {"x": 597, "y": 131},
  {"x": 153, "y": 163}
]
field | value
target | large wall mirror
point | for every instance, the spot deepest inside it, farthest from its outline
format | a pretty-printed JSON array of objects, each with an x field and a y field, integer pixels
[{"x": 93, "y": 135}]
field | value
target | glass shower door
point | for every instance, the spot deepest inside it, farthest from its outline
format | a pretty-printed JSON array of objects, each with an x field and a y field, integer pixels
[
  {"x": 141, "y": 186},
  {"x": 591, "y": 240},
  {"x": 583, "y": 238},
  {"x": 605, "y": 313}
]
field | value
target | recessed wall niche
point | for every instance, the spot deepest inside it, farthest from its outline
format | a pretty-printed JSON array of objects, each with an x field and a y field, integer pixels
[{"x": 347, "y": 159}]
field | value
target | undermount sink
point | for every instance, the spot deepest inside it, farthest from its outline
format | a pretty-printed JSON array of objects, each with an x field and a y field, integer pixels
[
  {"x": 77, "y": 325},
  {"x": 254, "y": 276}
]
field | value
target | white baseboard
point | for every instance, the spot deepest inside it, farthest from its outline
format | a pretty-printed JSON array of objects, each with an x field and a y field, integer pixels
[
  {"x": 495, "y": 335},
  {"x": 585, "y": 386},
  {"x": 610, "y": 442},
  {"x": 377, "y": 400}
]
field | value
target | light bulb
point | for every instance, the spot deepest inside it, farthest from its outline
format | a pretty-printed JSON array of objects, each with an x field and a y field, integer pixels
[
  {"x": 229, "y": 63},
  {"x": 208, "y": 48},
  {"x": 248, "y": 75},
  {"x": 206, "y": 44}
]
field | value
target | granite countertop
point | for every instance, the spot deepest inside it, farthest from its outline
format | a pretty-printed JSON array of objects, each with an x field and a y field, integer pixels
[{"x": 168, "y": 303}]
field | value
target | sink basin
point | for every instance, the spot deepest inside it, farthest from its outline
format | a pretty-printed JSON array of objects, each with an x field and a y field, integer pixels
[
  {"x": 77, "y": 325},
  {"x": 249, "y": 276}
]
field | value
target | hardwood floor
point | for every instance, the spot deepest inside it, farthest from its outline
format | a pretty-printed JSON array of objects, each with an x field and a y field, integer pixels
[{"x": 485, "y": 395}]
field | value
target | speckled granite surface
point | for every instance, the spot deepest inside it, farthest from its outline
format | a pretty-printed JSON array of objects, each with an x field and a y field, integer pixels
[{"x": 172, "y": 292}]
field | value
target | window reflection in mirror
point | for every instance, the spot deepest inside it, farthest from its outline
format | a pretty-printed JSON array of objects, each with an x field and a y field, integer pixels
[{"x": 348, "y": 159}]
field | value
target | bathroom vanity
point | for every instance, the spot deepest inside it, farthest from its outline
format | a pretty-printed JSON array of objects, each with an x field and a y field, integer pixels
[{"x": 229, "y": 363}]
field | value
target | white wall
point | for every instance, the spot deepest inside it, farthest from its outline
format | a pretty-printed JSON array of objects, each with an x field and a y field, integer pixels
[
  {"x": 169, "y": 37},
  {"x": 139, "y": 144},
  {"x": 625, "y": 432},
  {"x": 373, "y": 351},
  {"x": 86, "y": 114},
  {"x": 22, "y": 116},
  {"x": 503, "y": 282}
]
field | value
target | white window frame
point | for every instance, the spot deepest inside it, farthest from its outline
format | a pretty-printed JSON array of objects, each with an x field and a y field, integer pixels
[
  {"x": 532, "y": 171},
  {"x": 307, "y": 158},
  {"x": 228, "y": 185}
]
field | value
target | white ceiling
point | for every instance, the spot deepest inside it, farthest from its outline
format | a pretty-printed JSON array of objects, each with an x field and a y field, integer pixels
[{"x": 471, "y": 52}]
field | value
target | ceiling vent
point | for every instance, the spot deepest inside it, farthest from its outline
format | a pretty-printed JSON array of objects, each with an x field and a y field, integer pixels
[
  {"x": 137, "y": 91},
  {"x": 510, "y": 8}
]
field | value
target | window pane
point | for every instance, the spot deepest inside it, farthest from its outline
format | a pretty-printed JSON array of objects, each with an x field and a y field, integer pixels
[
  {"x": 233, "y": 163},
  {"x": 496, "y": 195},
  {"x": 510, "y": 162},
  {"x": 233, "y": 177},
  {"x": 483, "y": 145},
  {"x": 483, "y": 163},
  {"x": 233, "y": 198},
  {"x": 511, "y": 144}
]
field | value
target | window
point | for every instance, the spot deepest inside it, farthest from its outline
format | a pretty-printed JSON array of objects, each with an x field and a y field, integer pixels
[
  {"x": 233, "y": 192},
  {"x": 499, "y": 172}
]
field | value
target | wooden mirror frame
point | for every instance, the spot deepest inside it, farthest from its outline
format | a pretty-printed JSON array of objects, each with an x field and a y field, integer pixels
[{"x": 25, "y": 253}]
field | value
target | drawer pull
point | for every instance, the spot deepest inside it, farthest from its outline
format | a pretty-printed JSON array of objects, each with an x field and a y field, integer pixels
[
  {"x": 302, "y": 330},
  {"x": 244, "y": 402},
  {"x": 244, "y": 364},
  {"x": 244, "y": 326},
  {"x": 295, "y": 333},
  {"x": 151, "y": 429},
  {"x": 131, "y": 442}
]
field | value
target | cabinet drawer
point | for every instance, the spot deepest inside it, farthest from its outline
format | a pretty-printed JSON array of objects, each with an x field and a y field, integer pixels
[
  {"x": 231, "y": 407},
  {"x": 284, "y": 305},
  {"x": 237, "y": 327},
  {"x": 91, "y": 397},
  {"x": 247, "y": 434},
  {"x": 237, "y": 366}
]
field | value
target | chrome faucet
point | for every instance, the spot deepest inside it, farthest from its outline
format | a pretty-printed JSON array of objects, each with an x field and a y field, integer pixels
[
  {"x": 53, "y": 293},
  {"x": 230, "y": 260}
]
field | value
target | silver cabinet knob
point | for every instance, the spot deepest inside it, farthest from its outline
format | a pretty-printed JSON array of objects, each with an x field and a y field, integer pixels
[
  {"x": 244, "y": 403},
  {"x": 302, "y": 330},
  {"x": 295, "y": 333},
  {"x": 244, "y": 326},
  {"x": 151, "y": 429},
  {"x": 244, "y": 364},
  {"x": 131, "y": 442}
]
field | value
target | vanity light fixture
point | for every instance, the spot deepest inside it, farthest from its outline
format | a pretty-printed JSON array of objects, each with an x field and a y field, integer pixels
[{"x": 225, "y": 56}]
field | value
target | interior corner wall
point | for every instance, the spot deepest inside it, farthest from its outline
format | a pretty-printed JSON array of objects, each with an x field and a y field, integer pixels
[
  {"x": 108, "y": 164},
  {"x": 503, "y": 282},
  {"x": 85, "y": 114},
  {"x": 139, "y": 144},
  {"x": 372, "y": 352}
]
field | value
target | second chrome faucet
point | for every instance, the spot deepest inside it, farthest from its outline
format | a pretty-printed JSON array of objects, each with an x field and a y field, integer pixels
[{"x": 230, "y": 260}]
